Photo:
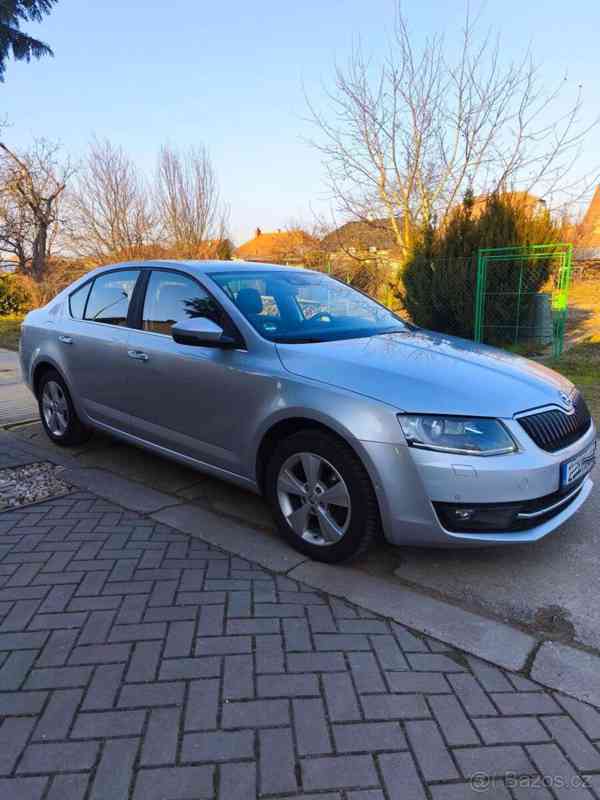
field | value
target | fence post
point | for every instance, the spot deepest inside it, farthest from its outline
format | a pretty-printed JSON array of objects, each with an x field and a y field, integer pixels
[{"x": 479, "y": 290}]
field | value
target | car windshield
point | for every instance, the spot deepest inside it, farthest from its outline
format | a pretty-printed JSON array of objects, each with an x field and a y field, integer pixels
[{"x": 294, "y": 307}]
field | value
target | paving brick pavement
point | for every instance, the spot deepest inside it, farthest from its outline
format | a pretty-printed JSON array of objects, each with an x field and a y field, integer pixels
[{"x": 137, "y": 662}]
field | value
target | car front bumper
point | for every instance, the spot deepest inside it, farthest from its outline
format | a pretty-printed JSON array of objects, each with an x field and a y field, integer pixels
[{"x": 409, "y": 481}]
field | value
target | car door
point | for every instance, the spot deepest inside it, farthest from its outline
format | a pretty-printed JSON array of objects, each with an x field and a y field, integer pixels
[
  {"x": 193, "y": 400},
  {"x": 95, "y": 345}
]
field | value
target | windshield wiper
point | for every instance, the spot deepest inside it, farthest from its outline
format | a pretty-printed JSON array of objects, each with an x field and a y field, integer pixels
[
  {"x": 298, "y": 340},
  {"x": 388, "y": 330},
  {"x": 336, "y": 336}
]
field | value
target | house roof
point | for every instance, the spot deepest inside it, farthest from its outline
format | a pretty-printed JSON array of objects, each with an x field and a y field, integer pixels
[
  {"x": 516, "y": 199},
  {"x": 275, "y": 245},
  {"x": 360, "y": 234},
  {"x": 589, "y": 231}
]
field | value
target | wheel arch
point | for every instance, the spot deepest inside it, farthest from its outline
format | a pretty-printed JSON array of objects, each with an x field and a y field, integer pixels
[
  {"x": 289, "y": 425},
  {"x": 41, "y": 367}
]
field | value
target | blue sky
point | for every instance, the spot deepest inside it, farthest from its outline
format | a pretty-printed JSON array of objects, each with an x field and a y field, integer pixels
[{"x": 233, "y": 74}]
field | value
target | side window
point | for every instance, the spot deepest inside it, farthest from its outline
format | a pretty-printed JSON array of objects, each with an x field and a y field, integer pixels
[
  {"x": 110, "y": 297},
  {"x": 172, "y": 297},
  {"x": 77, "y": 301}
]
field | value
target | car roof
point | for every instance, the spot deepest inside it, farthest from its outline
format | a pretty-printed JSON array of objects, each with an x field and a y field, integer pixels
[{"x": 205, "y": 267}]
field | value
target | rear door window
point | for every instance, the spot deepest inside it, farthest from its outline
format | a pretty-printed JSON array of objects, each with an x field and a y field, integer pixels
[
  {"x": 77, "y": 301},
  {"x": 110, "y": 297}
]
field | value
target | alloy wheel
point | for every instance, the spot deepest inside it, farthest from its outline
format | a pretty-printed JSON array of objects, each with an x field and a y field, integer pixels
[
  {"x": 314, "y": 499},
  {"x": 55, "y": 408}
]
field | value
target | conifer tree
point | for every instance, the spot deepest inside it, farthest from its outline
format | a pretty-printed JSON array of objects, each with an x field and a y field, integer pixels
[{"x": 12, "y": 39}]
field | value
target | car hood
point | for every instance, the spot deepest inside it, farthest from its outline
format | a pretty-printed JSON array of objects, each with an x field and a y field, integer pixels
[{"x": 421, "y": 371}]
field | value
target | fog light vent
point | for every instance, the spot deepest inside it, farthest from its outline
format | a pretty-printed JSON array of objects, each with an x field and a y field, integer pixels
[
  {"x": 464, "y": 514},
  {"x": 505, "y": 517},
  {"x": 480, "y": 517}
]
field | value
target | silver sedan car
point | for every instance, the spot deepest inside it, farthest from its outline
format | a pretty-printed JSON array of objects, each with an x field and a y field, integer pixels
[{"x": 287, "y": 382}]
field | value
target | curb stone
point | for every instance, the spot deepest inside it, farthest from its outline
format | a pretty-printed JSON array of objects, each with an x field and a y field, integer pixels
[
  {"x": 263, "y": 548},
  {"x": 130, "y": 494},
  {"x": 568, "y": 670},
  {"x": 486, "y": 638}
]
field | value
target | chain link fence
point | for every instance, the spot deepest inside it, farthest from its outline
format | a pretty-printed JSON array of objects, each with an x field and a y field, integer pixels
[
  {"x": 508, "y": 297},
  {"x": 522, "y": 296}
]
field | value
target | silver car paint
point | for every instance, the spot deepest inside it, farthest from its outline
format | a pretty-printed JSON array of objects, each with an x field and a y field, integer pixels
[
  {"x": 211, "y": 408},
  {"x": 420, "y": 371}
]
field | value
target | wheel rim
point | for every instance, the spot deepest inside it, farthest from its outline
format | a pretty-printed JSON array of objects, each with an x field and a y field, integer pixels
[
  {"x": 314, "y": 499},
  {"x": 55, "y": 408}
]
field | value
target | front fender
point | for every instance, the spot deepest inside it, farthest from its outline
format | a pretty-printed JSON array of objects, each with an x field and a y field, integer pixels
[{"x": 357, "y": 420}]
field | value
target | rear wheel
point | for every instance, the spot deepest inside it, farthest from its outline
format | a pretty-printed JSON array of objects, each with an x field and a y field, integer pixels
[
  {"x": 322, "y": 497},
  {"x": 59, "y": 418}
]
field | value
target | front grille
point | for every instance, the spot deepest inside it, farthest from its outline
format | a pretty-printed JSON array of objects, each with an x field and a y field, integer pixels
[{"x": 553, "y": 430}]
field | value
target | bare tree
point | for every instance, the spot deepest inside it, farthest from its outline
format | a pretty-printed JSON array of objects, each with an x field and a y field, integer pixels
[
  {"x": 16, "y": 228},
  {"x": 31, "y": 188},
  {"x": 111, "y": 208},
  {"x": 405, "y": 139},
  {"x": 193, "y": 218}
]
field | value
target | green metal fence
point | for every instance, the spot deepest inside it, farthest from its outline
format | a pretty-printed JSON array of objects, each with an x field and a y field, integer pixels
[{"x": 522, "y": 295}]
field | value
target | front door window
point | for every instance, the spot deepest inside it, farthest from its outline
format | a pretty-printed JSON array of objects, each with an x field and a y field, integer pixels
[{"x": 172, "y": 297}]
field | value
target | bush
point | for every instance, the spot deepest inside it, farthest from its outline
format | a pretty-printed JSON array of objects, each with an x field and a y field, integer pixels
[
  {"x": 59, "y": 274},
  {"x": 18, "y": 294},
  {"x": 10, "y": 331},
  {"x": 441, "y": 277}
]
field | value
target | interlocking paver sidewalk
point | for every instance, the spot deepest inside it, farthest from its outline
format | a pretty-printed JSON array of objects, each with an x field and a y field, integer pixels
[{"x": 137, "y": 662}]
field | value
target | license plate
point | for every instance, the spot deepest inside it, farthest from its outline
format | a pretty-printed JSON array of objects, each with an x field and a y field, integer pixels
[{"x": 578, "y": 466}]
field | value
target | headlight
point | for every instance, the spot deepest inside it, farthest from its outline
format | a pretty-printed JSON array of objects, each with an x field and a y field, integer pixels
[{"x": 468, "y": 435}]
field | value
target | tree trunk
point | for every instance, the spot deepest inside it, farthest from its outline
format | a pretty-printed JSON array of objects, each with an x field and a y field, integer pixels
[
  {"x": 23, "y": 263},
  {"x": 38, "y": 261}
]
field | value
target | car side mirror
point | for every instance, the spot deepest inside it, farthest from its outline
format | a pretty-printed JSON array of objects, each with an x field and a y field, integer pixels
[{"x": 201, "y": 332}]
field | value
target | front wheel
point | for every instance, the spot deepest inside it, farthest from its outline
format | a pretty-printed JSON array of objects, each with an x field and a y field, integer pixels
[
  {"x": 322, "y": 497},
  {"x": 59, "y": 418}
]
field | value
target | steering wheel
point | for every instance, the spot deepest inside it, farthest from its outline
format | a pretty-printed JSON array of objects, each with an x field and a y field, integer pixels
[{"x": 320, "y": 315}]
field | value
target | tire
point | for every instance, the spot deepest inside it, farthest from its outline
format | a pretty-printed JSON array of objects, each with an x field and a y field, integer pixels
[
  {"x": 333, "y": 470},
  {"x": 57, "y": 412}
]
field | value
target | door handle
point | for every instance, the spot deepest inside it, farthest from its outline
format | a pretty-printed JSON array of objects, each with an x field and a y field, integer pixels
[
  {"x": 138, "y": 355},
  {"x": 65, "y": 339}
]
